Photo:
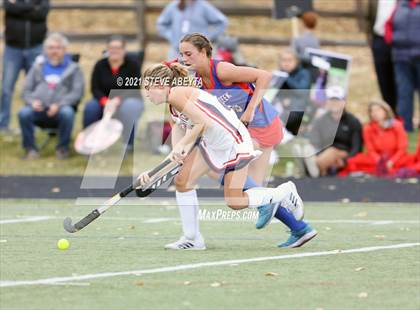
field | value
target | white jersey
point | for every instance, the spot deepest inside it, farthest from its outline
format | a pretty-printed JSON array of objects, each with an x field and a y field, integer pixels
[{"x": 226, "y": 143}]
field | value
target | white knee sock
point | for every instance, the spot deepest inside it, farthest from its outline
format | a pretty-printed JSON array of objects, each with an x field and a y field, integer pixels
[
  {"x": 259, "y": 196},
  {"x": 188, "y": 211}
]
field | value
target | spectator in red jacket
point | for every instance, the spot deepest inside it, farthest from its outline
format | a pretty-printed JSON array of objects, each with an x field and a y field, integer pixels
[{"x": 386, "y": 143}]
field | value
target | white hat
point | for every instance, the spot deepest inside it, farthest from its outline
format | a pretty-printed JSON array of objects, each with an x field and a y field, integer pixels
[{"x": 335, "y": 92}]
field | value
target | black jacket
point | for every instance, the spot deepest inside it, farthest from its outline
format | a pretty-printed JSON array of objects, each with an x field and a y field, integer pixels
[
  {"x": 103, "y": 80},
  {"x": 25, "y": 22},
  {"x": 347, "y": 136}
]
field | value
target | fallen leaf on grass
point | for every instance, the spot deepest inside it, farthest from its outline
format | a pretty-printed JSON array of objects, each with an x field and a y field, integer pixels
[
  {"x": 271, "y": 274},
  {"x": 359, "y": 269},
  {"x": 131, "y": 226},
  {"x": 139, "y": 283},
  {"x": 216, "y": 284},
  {"x": 380, "y": 237},
  {"x": 187, "y": 283}
]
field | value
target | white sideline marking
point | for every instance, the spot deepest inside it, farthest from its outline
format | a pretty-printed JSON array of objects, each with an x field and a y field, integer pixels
[
  {"x": 370, "y": 222},
  {"x": 27, "y": 219},
  {"x": 71, "y": 283},
  {"x": 337, "y": 221},
  {"x": 169, "y": 219},
  {"x": 54, "y": 281},
  {"x": 160, "y": 220}
]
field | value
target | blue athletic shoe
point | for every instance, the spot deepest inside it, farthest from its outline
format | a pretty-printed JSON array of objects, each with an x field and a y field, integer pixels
[
  {"x": 299, "y": 238},
  {"x": 266, "y": 214}
]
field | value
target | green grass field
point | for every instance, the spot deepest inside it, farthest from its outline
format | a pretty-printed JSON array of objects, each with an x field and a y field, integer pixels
[{"x": 117, "y": 262}]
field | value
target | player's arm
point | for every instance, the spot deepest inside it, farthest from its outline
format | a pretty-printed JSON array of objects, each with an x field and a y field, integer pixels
[
  {"x": 182, "y": 148},
  {"x": 229, "y": 73},
  {"x": 183, "y": 100},
  {"x": 176, "y": 133}
]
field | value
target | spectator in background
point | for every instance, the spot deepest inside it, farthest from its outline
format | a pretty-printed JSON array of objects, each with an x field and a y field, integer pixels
[
  {"x": 187, "y": 16},
  {"x": 337, "y": 135},
  {"x": 25, "y": 29},
  {"x": 52, "y": 90},
  {"x": 308, "y": 38},
  {"x": 379, "y": 12},
  {"x": 414, "y": 164},
  {"x": 113, "y": 73},
  {"x": 386, "y": 143},
  {"x": 403, "y": 32},
  {"x": 294, "y": 94}
]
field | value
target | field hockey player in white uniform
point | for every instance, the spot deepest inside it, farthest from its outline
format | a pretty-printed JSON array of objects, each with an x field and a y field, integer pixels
[{"x": 224, "y": 146}]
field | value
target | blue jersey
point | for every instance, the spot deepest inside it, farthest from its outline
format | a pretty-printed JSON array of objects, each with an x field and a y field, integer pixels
[{"x": 237, "y": 96}]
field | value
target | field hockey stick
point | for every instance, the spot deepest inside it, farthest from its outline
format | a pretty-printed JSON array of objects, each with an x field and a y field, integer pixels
[
  {"x": 69, "y": 227},
  {"x": 162, "y": 176}
]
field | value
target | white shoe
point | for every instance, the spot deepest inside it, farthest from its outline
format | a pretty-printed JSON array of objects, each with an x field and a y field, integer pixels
[
  {"x": 187, "y": 244},
  {"x": 292, "y": 202}
]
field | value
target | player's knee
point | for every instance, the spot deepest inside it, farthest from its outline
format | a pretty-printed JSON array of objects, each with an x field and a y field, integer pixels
[{"x": 180, "y": 182}]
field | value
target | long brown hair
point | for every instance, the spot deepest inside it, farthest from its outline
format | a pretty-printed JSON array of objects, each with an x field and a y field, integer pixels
[{"x": 199, "y": 41}]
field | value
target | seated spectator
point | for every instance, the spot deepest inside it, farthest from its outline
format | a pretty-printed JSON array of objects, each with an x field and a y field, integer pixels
[
  {"x": 294, "y": 91},
  {"x": 386, "y": 143},
  {"x": 411, "y": 168},
  {"x": 307, "y": 39},
  {"x": 337, "y": 135},
  {"x": 52, "y": 90},
  {"x": 113, "y": 73}
]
